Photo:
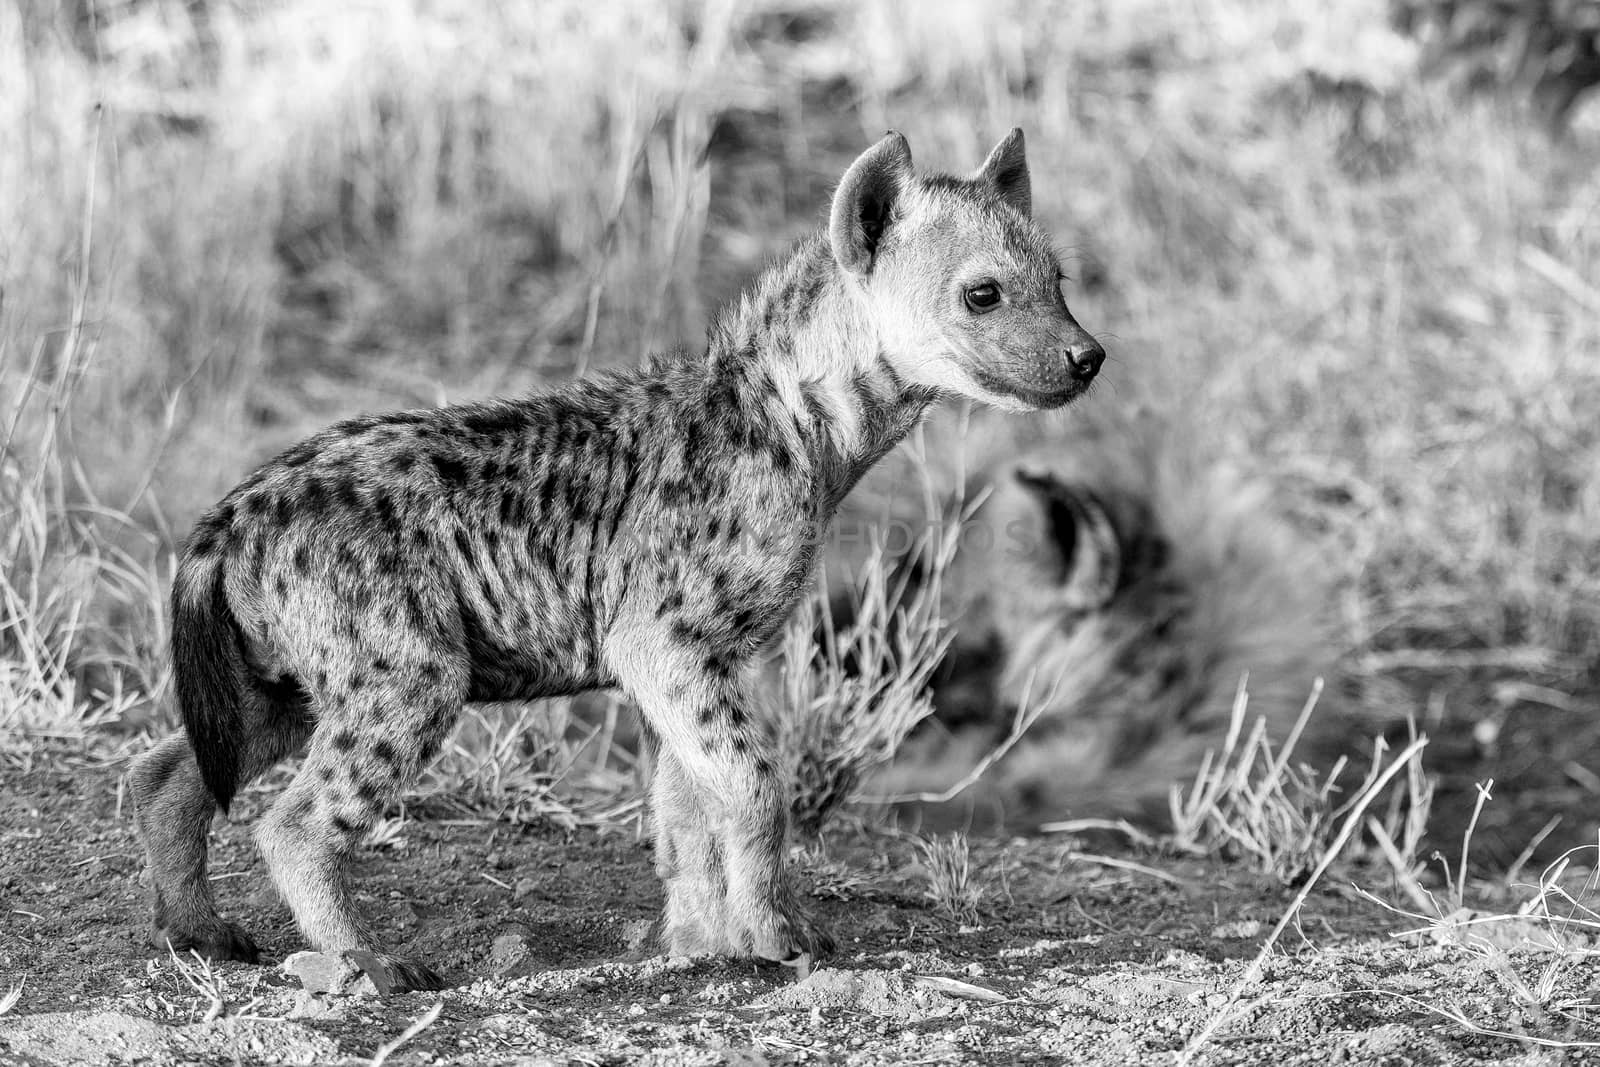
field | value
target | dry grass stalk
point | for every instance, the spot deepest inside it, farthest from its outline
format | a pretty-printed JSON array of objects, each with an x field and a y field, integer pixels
[
  {"x": 1354, "y": 812},
  {"x": 1249, "y": 800},
  {"x": 1532, "y": 949},
  {"x": 850, "y": 693},
  {"x": 421, "y": 1023},
  {"x": 951, "y": 886},
  {"x": 60, "y": 580},
  {"x": 536, "y": 761}
]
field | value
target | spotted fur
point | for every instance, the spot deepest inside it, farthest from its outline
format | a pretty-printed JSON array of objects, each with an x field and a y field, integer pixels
[{"x": 648, "y": 530}]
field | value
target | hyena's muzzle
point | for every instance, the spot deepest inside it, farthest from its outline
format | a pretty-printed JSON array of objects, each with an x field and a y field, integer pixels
[{"x": 1055, "y": 368}]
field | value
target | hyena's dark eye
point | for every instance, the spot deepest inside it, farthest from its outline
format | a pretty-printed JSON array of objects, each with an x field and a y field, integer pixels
[{"x": 981, "y": 298}]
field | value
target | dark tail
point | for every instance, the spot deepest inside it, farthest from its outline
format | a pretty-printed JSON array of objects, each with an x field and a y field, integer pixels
[{"x": 208, "y": 674}]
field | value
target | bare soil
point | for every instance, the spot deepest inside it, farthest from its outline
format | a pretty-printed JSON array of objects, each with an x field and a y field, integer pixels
[{"x": 1069, "y": 959}]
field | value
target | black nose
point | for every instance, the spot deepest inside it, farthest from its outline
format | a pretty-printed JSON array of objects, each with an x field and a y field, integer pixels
[{"x": 1086, "y": 360}]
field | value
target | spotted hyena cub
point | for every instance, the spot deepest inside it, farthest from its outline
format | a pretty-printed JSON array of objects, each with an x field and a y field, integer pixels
[{"x": 649, "y": 530}]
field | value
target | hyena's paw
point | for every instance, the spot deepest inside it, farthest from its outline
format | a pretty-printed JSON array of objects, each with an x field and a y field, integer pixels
[
  {"x": 781, "y": 932},
  {"x": 225, "y": 941},
  {"x": 396, "y": 974}
]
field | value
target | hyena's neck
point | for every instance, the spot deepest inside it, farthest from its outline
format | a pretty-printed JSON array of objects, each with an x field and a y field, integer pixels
[{"x": 799, "y": 349}]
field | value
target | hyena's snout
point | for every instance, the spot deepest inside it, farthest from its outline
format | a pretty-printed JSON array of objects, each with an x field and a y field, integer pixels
[
  {"x": 1080, "y": 361},
  {"x": 1062, "y": 367},
  {"x": 1080, "y": 355}
]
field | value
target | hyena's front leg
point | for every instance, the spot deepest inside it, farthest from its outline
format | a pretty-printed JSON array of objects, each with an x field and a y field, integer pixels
[
  {"x": 722, "y": 790},
  {"x": 687, "y": 862}
]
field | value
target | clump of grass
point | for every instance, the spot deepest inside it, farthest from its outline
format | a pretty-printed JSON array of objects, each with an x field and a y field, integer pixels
[
  {"x": 1350, "y": 825},
  {"x": 196, "y": 972},
  {"x": 952, "y": 888},
  {"x": 64, "y": 673},
  {"x": 205, "y": 982},
  {"x": 1250, "y": 801},
  {"x": 537, "y": 761},
  {"x": 296, "y": 194},
  {"x": 387, "y": 833},
  {"x": 851, "y": 691},
  {"x": 1536, "y": 945}
]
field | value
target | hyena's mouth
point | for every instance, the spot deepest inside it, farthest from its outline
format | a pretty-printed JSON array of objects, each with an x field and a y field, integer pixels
[{"x": 1033, "y": 396}]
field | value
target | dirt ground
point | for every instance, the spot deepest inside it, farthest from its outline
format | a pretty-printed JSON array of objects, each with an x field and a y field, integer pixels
[{"x": 1070, "y": 959}]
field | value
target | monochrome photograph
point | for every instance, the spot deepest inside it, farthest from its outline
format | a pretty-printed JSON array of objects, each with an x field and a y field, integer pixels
[{"x": 758, "y": 532}]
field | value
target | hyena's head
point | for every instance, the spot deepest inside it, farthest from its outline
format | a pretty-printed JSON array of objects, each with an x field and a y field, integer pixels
[
  {"x": 1066, "y": 546},
  {"x": 963, "y": 287}
]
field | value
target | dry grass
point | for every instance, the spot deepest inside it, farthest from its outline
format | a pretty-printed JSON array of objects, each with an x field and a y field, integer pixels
[
  {"x": 1334, "y": 850},
  {"x": 538, "y": 761},
  {"x": 1252, "y": 802},
  {"x": 952, "y": 887},
  {"x": 1536, "y": 939},
  {"x": 849, "y": 691},
  {"x": 67, "y": 596}
]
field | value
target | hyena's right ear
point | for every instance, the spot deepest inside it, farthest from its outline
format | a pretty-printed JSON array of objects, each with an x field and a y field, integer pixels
[
  {"x": 1006, "y": 170},
  {"x": 1086, "y": 544},
  {"x": 865, "y": 202}
]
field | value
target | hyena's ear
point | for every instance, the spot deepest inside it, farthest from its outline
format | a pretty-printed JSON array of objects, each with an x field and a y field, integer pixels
[
  {"x": 1007, "y": 170},
  {"x": 1086, "y": 546},
  {"x": 865, "y": 202}
]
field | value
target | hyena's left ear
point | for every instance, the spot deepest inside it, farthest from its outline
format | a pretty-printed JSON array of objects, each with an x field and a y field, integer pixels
[
  {"x": 1007, "y": 170},
  {"x": 864, "y": 204},
  {"x": 1086, "y": 546}
]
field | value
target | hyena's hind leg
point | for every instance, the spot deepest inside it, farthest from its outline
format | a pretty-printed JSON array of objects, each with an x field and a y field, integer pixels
[
  {"x": 173, "y": 810},
  {"x": 371, "y": 743}
]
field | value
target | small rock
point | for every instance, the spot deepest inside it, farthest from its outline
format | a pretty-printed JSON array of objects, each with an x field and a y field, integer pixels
[
  {"x": 349, "y": 973},
  {"x": 639, "y": 935},
  {"x": 318, "y": 972},
  {"x": 508, "y": 950}
]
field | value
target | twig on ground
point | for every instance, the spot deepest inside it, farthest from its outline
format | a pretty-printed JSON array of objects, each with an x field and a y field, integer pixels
[
  {"x": 423, "y": 1021},
  {"x": 1352, "y": 821}
]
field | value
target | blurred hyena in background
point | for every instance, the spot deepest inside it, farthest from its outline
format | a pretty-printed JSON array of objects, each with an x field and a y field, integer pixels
[{"x": 1116, "y": 591}]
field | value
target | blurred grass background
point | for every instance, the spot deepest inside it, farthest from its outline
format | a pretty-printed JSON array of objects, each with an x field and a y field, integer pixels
[{"x": 226, "y": 223}]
